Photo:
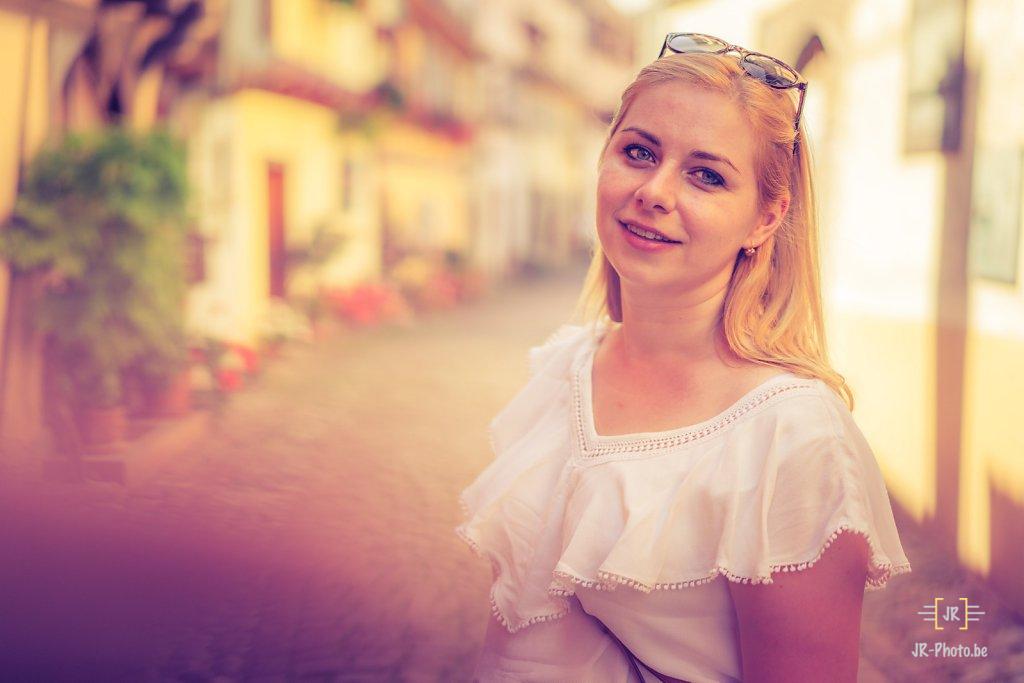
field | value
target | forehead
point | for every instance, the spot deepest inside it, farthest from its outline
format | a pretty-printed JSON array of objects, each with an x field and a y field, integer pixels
[{"x": 684, "y": 117}]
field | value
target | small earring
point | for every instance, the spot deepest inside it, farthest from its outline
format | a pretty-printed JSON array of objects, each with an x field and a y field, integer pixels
[{"x": 750, "y": 251}]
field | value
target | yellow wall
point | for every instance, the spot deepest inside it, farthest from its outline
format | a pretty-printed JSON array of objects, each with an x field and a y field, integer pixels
[
  {"x": 329, "y": 37},
  {"x": 992, "y": 445},
  {"x": 889, "y": 364},
  {"x": 15, "y": 34},
  {"x": 423, "y": 170},
  {"x": 25, "y": 114},
  {"x": 993, "y": 441},
  {"x": 13, "y": 37},
  {"x": 142, "y": 112},
  {"x": 880, "y": 216}
]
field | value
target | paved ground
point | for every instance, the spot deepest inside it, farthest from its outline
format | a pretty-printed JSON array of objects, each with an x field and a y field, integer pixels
[{"x": 310, "y": 538}]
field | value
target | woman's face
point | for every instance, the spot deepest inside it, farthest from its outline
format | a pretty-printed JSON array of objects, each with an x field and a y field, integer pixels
[{"x": 682, "y": 164}]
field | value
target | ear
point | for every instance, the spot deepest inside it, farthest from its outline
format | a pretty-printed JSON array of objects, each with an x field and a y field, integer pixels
[{"x": 770, "y": 220}]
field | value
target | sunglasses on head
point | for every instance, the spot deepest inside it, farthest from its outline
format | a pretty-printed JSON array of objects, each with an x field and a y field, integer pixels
[{"x": 770, "y": 71}]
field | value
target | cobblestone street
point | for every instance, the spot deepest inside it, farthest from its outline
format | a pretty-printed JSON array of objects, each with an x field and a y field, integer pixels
[{"x": 310, "y": 537}]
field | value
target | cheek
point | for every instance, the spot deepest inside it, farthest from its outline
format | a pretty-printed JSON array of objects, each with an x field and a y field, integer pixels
[
  {"x": 718, "y": 227},
  {"x": 614, "y": 189},
  {"x": 609, "y": 202}
]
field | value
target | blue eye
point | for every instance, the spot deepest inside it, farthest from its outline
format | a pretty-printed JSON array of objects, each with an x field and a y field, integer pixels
[
  {"x": 645, "y": 154},
  {"x": 711, "y": 178}
]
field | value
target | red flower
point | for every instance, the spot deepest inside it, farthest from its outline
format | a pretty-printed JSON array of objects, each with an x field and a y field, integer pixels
[
  {"x": 250, "y": 358},
  {"x": 229, "y": 380}
]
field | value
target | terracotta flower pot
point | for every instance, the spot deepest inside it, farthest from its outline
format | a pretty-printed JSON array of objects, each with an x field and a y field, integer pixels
[
  {"x": 101, "y": 427},
  {"x": 174, "y": 400}
]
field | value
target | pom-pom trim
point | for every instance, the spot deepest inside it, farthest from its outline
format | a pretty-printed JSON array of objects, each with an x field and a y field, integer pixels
[{"x": 878, "y": 575}]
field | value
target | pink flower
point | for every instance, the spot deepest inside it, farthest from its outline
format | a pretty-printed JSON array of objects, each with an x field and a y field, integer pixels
[{"x": 229, "y": 380}]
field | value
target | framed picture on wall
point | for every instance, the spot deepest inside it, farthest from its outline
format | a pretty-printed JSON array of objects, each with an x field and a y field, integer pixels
[
  {"x": 935, "y": 68},
  {"x": 996, "y": 213}
]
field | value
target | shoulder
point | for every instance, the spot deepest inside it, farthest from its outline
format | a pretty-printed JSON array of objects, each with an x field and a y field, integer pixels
[
  {"x": 562, "y": 346},
  {"x": 799, "y": 412},
  {"x": 814, "y": 437},
  {"x": 783, "y": 415}
]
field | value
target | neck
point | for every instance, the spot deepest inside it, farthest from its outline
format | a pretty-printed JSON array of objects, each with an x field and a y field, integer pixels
[{"x": 671, "y": 331}]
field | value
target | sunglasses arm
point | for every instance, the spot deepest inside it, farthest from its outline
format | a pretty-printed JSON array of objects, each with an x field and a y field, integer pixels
[
  {"x": 799, "y": 111},
  {"x": 664, "y": 44}
]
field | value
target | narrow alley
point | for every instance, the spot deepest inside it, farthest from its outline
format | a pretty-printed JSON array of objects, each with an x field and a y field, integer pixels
[{"x": 310, "y": 538}]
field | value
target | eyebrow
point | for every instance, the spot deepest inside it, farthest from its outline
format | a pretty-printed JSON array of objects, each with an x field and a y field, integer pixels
[{"x": 697, "y": 153}]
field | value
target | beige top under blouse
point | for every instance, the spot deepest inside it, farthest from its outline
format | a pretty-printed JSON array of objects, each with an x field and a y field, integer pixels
[{"x": 643, "y": 530}]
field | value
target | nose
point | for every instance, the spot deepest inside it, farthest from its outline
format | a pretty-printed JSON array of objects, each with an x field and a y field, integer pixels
[{"x": 658, "y": 192}]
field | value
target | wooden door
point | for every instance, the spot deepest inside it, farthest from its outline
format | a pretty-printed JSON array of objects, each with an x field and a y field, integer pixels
[{"x": 275, "y": 224}]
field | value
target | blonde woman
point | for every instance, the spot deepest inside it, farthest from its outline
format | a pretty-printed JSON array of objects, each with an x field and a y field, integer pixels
[{"x": 680, "y": 492}]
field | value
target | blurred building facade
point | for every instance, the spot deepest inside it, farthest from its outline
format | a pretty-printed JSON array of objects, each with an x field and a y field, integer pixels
[
  {"x": 548, "y": 82},
  {"x": 425, "y": 150},
  {"x": 75, "y": 65},
  {"x": 919, "y": 183},
  {"x": 396, "y": 128},
  {"x": 406, "y": 128},
  {"x": 272, "y": 164},
  {"x": 37, "y": 43}
]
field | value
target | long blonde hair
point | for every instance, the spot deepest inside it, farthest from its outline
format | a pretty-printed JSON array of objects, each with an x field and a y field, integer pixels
[{"x": 772, "y": 312}]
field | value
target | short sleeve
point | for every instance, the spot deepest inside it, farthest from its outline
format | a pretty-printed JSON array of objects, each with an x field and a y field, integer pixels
[{"x": 825, "y": 480}]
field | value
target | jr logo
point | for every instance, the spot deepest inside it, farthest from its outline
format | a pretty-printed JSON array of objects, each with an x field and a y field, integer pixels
[{"x": 952, "y": 614}]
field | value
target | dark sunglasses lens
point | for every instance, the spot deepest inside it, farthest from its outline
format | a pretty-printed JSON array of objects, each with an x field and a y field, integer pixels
[
  {"x": 695, "y": 42},
  {"x": 770, "y": 72}
]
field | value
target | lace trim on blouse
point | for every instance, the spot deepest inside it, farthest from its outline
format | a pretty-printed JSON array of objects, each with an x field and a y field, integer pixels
[
  {"x": 657, "y": 441},
  {"x": 608, "y": 581},
  {"x": 882, "y": 571}
]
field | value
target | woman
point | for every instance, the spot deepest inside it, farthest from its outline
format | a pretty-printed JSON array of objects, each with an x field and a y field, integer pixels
[{"x": 625, "y": 546}]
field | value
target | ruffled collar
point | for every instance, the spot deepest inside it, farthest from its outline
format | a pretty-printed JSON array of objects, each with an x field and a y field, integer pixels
[{"x": 560, "y": 508}]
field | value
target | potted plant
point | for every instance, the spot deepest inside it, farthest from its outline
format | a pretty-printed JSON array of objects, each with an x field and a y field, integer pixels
[
  {"x": 94, "y": 379},
  {"x": 470, "y": 282},
  {"x": 101, "y": 218},
  {"x": 280, "y": 323},
  {"x": 162, "y": 377},
  {"x": 160, "y": 371},
  {"x": 206, "y": 358},
  {"x": 306, "y": 262},
  {"x": 412, "y": 275}
]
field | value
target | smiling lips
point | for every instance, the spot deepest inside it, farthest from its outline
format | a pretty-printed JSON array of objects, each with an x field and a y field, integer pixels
[{"x": 647, "y": 233}]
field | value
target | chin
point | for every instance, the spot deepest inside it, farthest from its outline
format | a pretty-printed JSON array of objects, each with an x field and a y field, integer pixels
[{"x": 640, "y": 273}]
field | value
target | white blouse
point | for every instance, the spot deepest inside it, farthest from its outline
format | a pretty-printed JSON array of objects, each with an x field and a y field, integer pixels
[{"x": 642, "y": 530}]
